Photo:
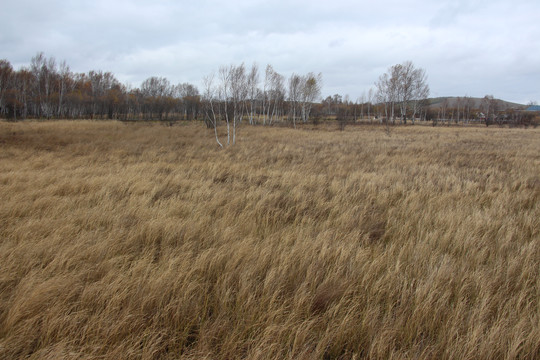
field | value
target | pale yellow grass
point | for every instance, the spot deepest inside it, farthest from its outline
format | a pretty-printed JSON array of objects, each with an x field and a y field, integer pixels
[{"x": 144, "y": 241}]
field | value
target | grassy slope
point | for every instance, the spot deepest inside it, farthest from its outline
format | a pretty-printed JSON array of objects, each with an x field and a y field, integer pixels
[
  {"x": 476, "y": 103},
  {"x": 144, "y": 241}
]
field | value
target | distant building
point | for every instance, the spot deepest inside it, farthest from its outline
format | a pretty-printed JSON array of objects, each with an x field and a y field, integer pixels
[{"x": 533, "y": 108}]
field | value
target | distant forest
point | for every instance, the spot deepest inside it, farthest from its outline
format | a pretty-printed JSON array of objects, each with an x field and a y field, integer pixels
[{"x": 50, "y": 90}]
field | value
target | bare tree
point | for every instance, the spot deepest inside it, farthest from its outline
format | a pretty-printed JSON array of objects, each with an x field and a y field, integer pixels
[
  {"x": 419, "y": 93},
  {"x": 468, "y": 104},
  {"x": 275, "y": 94},
  {"x": 295, "y": 84},
  {"x": 64, "y": 78},
  {"x": 267, "y": 92},
  {"x": 188, "y": 100},
  {"x": 403, "y": 85},
  {"x": 443, "y": 110},
  {"x": 226, "y": 99},
  {"x": 362, "y": 102},
  {"x": 411, "y": 88},
  {"x": 403, "y": 74},
  {"x": 310, "y": 92},
  {"x": 157, "y": 92},
  {"x": 252, "y": 84},
  {"x": 211, "y": 105},
  {"x": 459, "y": 108},
  {"x": 23, "y": 85},
  {"x": 98, "y": 91},
  {"x": 239, "y": 91},
  {"x": 44, "y": 72},
  {"x": 6, "y": 73},
  {"x": 490, "y": 107},
  {"x": 369, "y": 102},
  {"x": 386, "y": 96}
]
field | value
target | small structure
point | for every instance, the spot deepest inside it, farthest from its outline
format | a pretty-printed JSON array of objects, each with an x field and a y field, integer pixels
[{"x": 533, "y": 108}]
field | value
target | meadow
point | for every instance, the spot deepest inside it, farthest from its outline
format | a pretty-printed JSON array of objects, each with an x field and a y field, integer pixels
[{"x": 144, "y": 241}]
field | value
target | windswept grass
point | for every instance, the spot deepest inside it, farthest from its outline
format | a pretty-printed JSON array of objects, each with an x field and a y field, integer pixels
[{"x": 145, "y": 241}]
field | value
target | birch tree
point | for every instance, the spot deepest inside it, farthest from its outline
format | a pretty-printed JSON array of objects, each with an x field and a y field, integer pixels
[
  {"x": 362, "y": 103},
  {"x": 226, "y": 100},
  {"x": 386, "y": 95},
  {"x": 444, "y": 108},
  {"x": 252, "y": 85},
  {"x": 267, "y": 92},
  {"x": 211, "y": 106},
  {"x": 468, "y": 104},
  {"x": 238, "y": 82},
  {"x": 295, "y": 84},
  {"x": 43, "y": 71},
  {"x": 403, "y": 85},
  {"x": 273, "y": 95},
  {"x": 64, "y": 78},
  {"x": 490, "y": 106},
  {"x": 310, "y": 92},
  {"x": 369, "y": 102},
  {"x": 419, "y": 93},
  {"x": 459, "y": 108}
]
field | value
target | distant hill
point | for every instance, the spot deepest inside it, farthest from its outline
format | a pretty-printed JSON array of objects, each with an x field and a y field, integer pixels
[{"x": 436, "y": 103}]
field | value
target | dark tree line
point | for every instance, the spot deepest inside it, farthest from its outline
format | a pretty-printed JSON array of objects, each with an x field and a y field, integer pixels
[{"x": 49, "y": 90}]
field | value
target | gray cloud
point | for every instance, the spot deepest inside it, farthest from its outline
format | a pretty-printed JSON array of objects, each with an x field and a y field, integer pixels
[{"x": 466, "y": 47}]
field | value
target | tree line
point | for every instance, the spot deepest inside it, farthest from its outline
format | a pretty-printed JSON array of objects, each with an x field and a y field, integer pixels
[
  {"x": 487, "y": 110},
  {"x": 49, "y": 90},
  {"x": 232, "y": 95}
]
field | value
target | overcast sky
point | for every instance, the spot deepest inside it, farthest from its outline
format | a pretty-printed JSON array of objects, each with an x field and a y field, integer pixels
[{"x": 473, "y": 47}]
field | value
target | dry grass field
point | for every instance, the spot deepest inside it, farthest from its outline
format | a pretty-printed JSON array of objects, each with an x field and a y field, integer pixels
[{"x": 142, "y": 241}]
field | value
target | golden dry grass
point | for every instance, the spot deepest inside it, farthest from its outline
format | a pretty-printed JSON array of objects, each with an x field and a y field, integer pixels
[{"x": 145, "y": 241}]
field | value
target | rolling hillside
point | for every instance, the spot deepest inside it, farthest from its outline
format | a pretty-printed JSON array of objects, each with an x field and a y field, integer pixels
[{"x": 476, "y": 102}]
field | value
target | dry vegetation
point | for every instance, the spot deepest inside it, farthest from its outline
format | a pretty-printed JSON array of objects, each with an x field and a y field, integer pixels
[{"x": 144, "y": 241}]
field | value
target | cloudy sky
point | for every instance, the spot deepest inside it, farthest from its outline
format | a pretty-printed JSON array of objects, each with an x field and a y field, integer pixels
[{"x": 474, "y": 47}]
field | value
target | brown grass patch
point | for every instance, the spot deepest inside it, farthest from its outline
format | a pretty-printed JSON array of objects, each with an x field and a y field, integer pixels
[{"x": 145, "y": 241}]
